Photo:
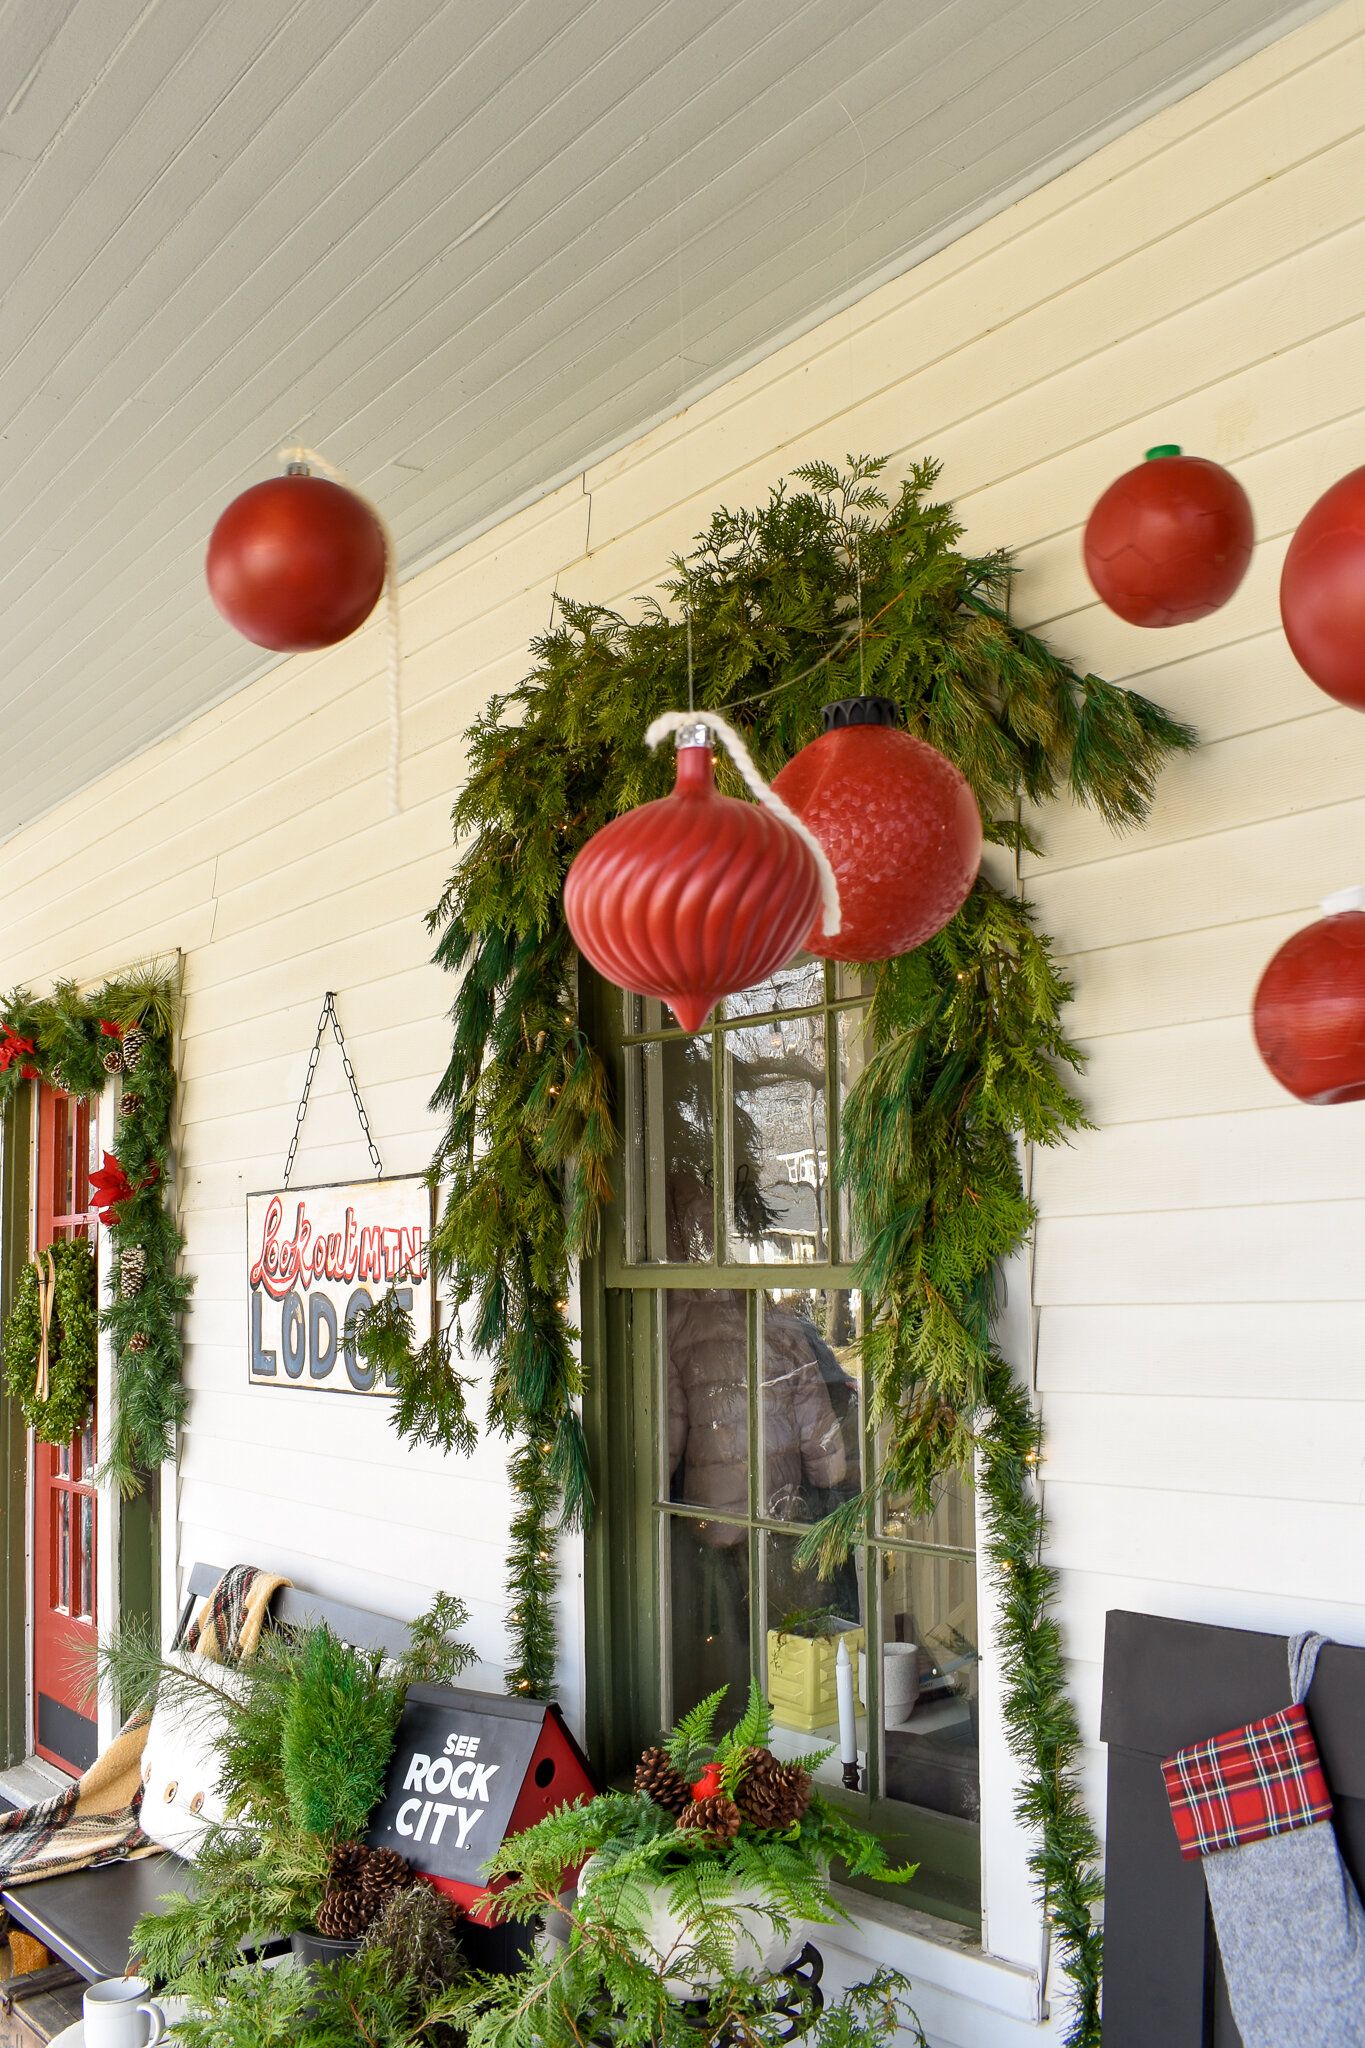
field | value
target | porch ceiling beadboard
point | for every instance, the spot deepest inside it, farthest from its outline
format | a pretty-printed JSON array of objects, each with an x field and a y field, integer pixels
[
  {"x": 1198, "y": 1282},
  {"x": 460, "y": 247}
]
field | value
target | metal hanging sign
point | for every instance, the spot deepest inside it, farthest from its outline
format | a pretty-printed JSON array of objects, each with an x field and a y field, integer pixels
[{"x": 317, "y": 1256}]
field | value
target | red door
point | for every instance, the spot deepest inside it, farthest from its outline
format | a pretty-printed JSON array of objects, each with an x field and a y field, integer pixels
[{"x": 64, "y": 1506}]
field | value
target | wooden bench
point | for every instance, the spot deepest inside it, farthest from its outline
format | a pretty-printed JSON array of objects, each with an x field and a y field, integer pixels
[{"x": 86, "y": 1917}]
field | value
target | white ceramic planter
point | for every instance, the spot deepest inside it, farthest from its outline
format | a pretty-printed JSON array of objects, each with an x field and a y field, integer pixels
[{"x": 759, "y": 1951}]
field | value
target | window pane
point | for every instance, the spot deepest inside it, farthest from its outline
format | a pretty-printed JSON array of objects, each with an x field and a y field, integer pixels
[
  {"x": 928, "y": 1682},
  {"x": 672, "y": 1163},
  {"x": 806, "y": 1618},
  {"x": 797, "y": 986},
  {"x": 778, "y": 1173},
  {"x": 61, "y": 1550},
  {"x": 708, "y": 1577},
  {"x": 952, "y": 1522},
  {"x": 64, "y": 1163},
  {"x": 810, "y": 1405},
  {"x": 86, "y": 1557},
  {"x": 852, "y": 1052},
  {"x": 706, "y": 1377}
]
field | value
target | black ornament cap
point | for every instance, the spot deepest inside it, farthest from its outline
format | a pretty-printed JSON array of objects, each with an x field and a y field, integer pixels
[{"x": 860, "y": 711}]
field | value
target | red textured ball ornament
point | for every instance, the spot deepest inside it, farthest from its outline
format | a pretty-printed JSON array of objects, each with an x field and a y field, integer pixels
[
  {"x": 296, "y": 563},
  {"x": 692, "y": 897},
  {"x": 899, "y": 823},
  {"x": 1322, "y": 591},
  {"x": 1170, "y": 540},
  {"x": 1309, "y": 1013}
]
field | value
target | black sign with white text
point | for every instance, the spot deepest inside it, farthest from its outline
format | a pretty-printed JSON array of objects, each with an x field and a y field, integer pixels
[{"x": 460, "y": 1761}]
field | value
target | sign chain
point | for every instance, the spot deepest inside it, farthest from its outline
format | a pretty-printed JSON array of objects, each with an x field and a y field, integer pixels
[{"x": 329, "y": 1015}]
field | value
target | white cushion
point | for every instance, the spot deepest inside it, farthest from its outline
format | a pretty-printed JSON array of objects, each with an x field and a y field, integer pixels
[{"x": 181, "y": 1795}]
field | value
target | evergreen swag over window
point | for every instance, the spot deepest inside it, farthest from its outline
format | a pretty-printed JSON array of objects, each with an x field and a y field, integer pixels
[
  {"x": 970, "y": 1051},
  {"x": 76, "y": 1041}
]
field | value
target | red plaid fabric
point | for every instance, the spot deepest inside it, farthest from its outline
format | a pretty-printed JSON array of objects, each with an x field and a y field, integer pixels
[{"x": 1265, "y": 1779}]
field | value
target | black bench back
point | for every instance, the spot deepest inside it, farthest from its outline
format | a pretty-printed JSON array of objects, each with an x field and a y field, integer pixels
[
  {"x": 1168, "y": 1683},
  {"x": 293, "y": 1609}
]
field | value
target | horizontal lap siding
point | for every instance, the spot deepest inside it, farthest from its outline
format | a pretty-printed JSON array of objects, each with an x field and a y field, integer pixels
[{"x": 1197, "y": 1276}]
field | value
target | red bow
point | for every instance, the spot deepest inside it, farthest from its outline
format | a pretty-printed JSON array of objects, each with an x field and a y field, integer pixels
[
  {"x": 13, "y": 1047},
  {"x": 110, "y": 1189}
]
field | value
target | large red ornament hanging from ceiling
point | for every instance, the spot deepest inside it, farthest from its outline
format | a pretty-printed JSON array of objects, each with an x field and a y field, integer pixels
[
  {"x": 697, "y": 895},
  {"x": 297, "y": 562},
  {"x": 1169, "y": 541},
  {"x": 1309, "y": 1012},
  {"x": 1322, "y": 591},
  {"x": 899, "y": 823}
]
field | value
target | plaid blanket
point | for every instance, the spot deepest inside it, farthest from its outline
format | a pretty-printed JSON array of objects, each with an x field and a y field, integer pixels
[
  {"x": 1264, "y": 1779},
  {"x": 96, "y": 1820}
]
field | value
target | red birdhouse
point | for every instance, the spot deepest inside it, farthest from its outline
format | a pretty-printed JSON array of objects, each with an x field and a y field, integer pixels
[
  {"x": 468, "y": 1770},
  {"x": 1309, "y": 1011},
  {"x": 1169, "y": 541}
]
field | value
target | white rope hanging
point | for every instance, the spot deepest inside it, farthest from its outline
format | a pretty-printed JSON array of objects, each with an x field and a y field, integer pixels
[
  {"x": 394, "y": 664},
  {"x": 669, "y": 722}
]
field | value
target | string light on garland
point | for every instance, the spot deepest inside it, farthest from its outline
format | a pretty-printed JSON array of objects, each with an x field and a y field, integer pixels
[
  {"x": 899, "y": 823},
  {"x": 1170, "y": 541},
  {"x": 818, "y": 593}
]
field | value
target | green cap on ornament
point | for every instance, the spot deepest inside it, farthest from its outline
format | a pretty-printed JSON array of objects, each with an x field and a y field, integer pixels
[{"x": 1163, "y": 448}]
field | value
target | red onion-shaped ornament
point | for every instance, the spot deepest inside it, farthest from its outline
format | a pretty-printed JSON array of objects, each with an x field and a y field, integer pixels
[
  {"x": 1309, "y": 1012},
  {"x": 1169, "y": 541},
  {"x": 1322, "y": 591},
  {"x": 692, "y": 897},
  {"x": 899, "y": 823},
  {"x": 297, "y": 562}
]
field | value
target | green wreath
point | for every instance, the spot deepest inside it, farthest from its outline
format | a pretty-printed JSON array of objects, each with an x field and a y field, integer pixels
[{"x": 72, "y": 1342}]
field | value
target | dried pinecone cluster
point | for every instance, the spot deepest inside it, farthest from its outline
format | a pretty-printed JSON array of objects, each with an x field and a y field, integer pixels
[
  {"x": 768, "y": 1794},
  {"x": 417, "y": 1925},
  {"x": 360, "y": 1881}
]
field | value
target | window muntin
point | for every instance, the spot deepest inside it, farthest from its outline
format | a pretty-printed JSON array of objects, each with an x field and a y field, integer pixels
[{"x": 735, "y": 1255}]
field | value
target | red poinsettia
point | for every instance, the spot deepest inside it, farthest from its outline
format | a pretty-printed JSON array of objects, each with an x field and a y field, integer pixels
[
  {"x": 110, "y": 1029},
  {"x": 12, "y": 1048},
  {"x": 110, "y": 1189}
]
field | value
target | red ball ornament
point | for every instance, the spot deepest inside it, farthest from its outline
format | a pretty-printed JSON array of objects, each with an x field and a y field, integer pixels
[
  {"x": 1170, "y": 540},
  {"x": 692, "y": 897},
  {"x": 1309, "y": 1012},
  {"x": 1322, "y": 591},
  {"x": 296, "y": 563},
  {"x": 899, "y": 823}
]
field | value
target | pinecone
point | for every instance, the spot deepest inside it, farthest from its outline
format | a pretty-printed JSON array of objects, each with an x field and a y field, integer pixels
[
  {"x": 134, "y": 1039},
  {"x": 771, "y": 1794},
  {"x": 384, "y": 1873},
  {"x": 657, "y": 1778},
  {"x": 139, "y": 1341},
  {"x": 343, "y": 1916},
  {"x": 131, "y": 1103},
  {"x": 112, "y": 1060},
  {"x": 359, "y": 1882},
  {"x": 717, "y": 1818},
  {"x": 132, "y": 1271}
]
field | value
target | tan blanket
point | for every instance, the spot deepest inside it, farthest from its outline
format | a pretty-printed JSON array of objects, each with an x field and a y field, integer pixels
[{"x": 96, "y": 1820}]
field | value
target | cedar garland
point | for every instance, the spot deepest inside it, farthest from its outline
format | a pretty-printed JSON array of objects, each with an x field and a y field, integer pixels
[
  {"x": 65, "y": 1038},
  {"x": 828, "y": 590}
]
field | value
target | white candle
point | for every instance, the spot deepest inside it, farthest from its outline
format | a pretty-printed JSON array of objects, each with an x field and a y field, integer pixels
[{"x": 843, "y": 1686}]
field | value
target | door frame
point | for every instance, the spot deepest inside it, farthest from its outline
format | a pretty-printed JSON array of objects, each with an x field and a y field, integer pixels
[{"x": 129, "y": 1561}]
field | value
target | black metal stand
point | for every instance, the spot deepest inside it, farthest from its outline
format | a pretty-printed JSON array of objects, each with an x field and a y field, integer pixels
[
  {"x": 796, "y": 2008},
  {"x": 852, "y": 1781}
]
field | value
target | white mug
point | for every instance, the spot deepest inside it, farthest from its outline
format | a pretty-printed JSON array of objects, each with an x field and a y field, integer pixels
[{"x": 117, "y": 2013}]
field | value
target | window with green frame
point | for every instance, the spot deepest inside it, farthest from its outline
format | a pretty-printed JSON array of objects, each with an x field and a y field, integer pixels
[{"x": 722, "y": 1328}]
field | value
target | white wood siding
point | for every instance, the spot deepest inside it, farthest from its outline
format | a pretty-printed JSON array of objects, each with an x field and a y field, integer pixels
[{"x": 1197, "y": 1278}]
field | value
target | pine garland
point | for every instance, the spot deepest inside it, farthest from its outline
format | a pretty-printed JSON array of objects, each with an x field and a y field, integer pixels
[
  {"x": 64, "y": 1038},
  {"x": 828, "y": 590}
]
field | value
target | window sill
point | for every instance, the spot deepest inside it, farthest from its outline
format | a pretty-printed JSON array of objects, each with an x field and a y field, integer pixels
[{"x": 933, "y": 1953}]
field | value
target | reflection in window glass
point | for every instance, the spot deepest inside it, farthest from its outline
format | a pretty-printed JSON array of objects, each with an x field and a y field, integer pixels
[
  {"x": 676, "y": 1161},
  {"x": 706, "y": 1354},
  {"x": 928, "y": 1682},
  {"x": 797, "y": 986},
  {"x": 778, "y": 1182},
  {"x": 809, "y": 1409},
  {"x": 708, "y": 1574}
]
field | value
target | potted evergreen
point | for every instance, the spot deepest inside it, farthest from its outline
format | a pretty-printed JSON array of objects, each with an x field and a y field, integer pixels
[{"x": 694, "y": 1892}]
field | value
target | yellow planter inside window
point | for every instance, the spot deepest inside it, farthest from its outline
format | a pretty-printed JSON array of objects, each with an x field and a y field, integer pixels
[{"x": 801, "y": 1676}]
